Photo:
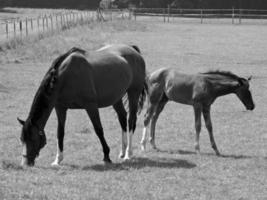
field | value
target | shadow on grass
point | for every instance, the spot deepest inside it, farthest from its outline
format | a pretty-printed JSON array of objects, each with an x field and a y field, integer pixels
[
  {"x": 139, "y": 163},
  {"x": 187, "y": 152}
]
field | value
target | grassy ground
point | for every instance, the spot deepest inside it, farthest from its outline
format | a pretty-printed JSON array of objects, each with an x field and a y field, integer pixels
[{"x": 175, "y": 172}]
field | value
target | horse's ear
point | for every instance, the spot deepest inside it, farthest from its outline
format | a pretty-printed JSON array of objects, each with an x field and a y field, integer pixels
[
  {"x": 21, "y": 121},
  {"x": 249, "y": 78},
  {"x": 240, "y": 82}
]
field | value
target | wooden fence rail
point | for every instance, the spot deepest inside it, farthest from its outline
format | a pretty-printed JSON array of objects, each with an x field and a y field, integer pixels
[
  {"x": 236, "y": 15},
  {"x": 14, "y": 28}
]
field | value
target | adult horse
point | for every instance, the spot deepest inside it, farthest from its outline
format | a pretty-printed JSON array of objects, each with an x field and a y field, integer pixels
[
  {"x": 199, "y": 90},
  {"x": 79, "y": 81}
]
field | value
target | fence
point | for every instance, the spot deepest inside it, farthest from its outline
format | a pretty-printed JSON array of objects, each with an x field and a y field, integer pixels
[
  {"x": 235, "y": 15},
  {"x": 18, "y": 28}
]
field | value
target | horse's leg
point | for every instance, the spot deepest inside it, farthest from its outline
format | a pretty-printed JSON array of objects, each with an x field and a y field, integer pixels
[
  {"x": 206, "y": 115},
  {"x": 122, "y": 115},
  {"x": 95, "y": 118},
  {"x": 61, "y": 116},
  {"x": 149, "y": 112},
  {"x": 133, "y": 97},
  {"x": 197, "y": 111},
  {"x": 155, "y": 117},
  {"x": 153, "y": 101}
]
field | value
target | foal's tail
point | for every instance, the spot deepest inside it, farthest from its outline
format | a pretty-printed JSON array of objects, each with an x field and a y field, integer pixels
[{"x": 143, "y": 95}]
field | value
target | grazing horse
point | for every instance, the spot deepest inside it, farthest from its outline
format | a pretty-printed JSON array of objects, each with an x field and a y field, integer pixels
[
  {"x": 80, "y": 81},
  {"x": 199, "y": 90}
]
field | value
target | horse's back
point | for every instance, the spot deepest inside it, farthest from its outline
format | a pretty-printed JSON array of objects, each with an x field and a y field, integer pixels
[
  {"x": 127, "y": 59},
  {"x": 103, "y": 76},
  {"x": 177, "y": 86}
]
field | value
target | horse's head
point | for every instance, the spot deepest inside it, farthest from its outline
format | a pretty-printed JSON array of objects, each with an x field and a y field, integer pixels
[
  {"x": 244, "y": 93},
  {"x": 33, "y": 140}
]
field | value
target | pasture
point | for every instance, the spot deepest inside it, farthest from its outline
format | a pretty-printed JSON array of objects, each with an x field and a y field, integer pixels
[{"x": 174, "y": 172}]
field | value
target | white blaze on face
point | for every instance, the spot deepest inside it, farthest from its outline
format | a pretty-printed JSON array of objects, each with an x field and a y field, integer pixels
[{"x": 24, "y": 153}]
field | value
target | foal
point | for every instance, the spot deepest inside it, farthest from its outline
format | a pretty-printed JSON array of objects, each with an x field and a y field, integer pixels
[{"x": 199, "y": 90}]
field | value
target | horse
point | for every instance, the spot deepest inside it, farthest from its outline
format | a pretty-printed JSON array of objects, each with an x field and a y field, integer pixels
[
  {"x": 80, "y": 80},
  {"x": 199, "y": 90}
]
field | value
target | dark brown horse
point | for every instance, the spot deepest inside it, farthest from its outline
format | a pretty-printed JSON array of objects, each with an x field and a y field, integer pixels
[
  {"x": 80, "y": 81},
  {"x": 199, "y": 90}
]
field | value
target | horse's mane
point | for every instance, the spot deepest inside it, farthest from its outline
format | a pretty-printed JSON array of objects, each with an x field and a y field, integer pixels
[
  {"x": 41, "y": 99},
  {"x": 223, "y": 73}
]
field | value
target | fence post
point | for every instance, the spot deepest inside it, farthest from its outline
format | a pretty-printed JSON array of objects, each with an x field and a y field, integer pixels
[
  {"x": 61, "y": 21},
  {"x": 14, "y": 29},
  {"x": 164, "y": 20},
  {"x": 233, "y": 15},
  {"x": 38, "y": 23},
  {"x": 47, "y": 25},
  {"x": 240, "y": 13},
  {"x": 51, "y": 19},
  {"x": 7, "y": 29},
  {"x": 169, "y": 8},
  {"x": 201, "y": 15},
  {"x": 134, "y": 12},
  {"x": 26, "y": 26},
  {"x": 31, "y": 24},
  {"x": 43, "y": 24},
  {"x": 20, "y": 27}
]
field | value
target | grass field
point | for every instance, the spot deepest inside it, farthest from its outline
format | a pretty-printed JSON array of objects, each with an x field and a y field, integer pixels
[{"x": 175, "y": 172}]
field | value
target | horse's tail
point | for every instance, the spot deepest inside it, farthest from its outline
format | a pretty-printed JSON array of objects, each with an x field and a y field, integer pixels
[{"x": 143, "y": 95}]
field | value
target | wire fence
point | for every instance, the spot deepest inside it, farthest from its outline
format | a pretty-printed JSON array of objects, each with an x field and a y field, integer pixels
[
  {"x": 234, "y": 16},
  {"x": 24, "y": 27}
]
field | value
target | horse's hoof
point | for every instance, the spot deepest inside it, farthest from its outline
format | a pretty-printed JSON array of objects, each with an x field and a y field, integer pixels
[
  {"x": 107, "y": 161},
  {"x": 143, "y": 147},
  {"x": 121, "y": 155},
  {"x": 155, "y": 148},
  {"x": 55, "y": 164},
  {"x": 126, "y": 158},
  {"x": 198, "y": 152}
]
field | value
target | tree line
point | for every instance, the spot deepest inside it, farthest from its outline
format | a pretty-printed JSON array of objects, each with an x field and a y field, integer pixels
[
  {"x": 205, "y": 4},
  {"x": 85, "y": 4},
  {"x": 71, "y": 4}
]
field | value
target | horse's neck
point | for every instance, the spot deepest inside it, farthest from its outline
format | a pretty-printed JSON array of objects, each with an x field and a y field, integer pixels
[
  {"x": 223, "y": 86},
  {"x": 41, "y": 109}
]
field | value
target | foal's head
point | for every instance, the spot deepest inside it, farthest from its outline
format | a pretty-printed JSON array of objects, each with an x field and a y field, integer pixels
[
  {"x": 244, "y": 93},
  {"x": 33, "y": 140}
]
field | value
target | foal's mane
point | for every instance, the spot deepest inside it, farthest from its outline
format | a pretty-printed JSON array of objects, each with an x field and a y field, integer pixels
[
  {"x": 223, "y": 73},
  {"x": 41, "y": 99}
]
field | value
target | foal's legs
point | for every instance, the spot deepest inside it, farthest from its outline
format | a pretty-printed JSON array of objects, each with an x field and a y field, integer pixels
[
  {"x": 133, "y": 97},
  {"x": 159, "y": 108},
  {"x": 122, "y": 115},
  {"x": 197, "y": 111},
  {"x": 150, "y": 111},
  {"x": 206, "y": 115},
  {"x": 153, "y": 101},
  {"x": 61, "y": 117},
  {"x": 95, "y": 118}
]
